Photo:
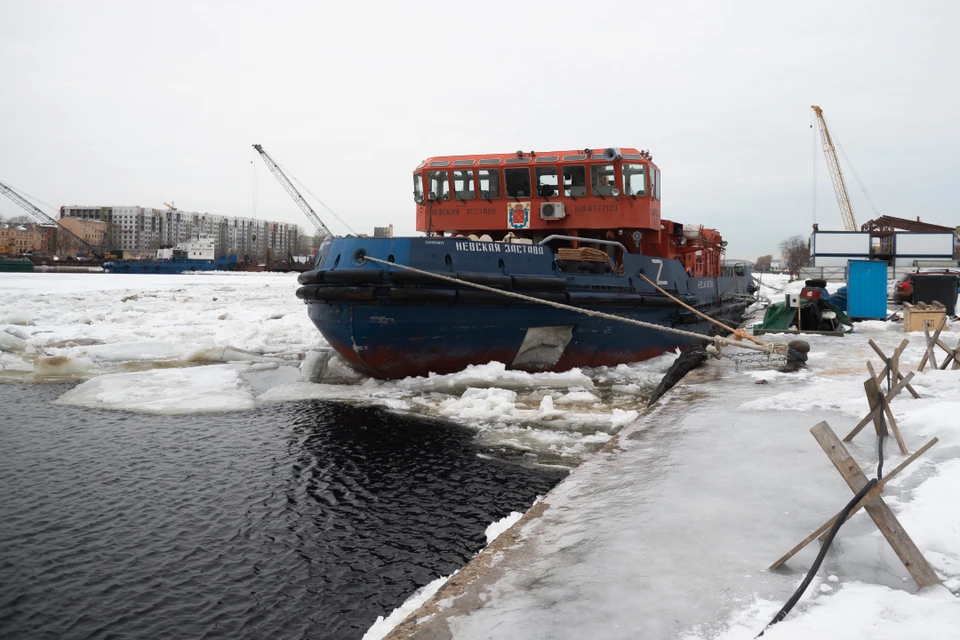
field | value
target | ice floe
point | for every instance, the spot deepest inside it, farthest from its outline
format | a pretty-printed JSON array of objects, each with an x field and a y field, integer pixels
[
  {"x": 112, "y": 319},
  {"x": 11, "y": 342},
  {"x": 165, "y": 391},
  {"x": 138, "y": 330},
  {"x": 495, "y": 529}
]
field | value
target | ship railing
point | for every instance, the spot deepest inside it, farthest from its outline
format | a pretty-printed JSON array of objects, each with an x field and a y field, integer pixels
[
  {"x": 613, "y": 267},
  {"x": 729, "y": 271}
]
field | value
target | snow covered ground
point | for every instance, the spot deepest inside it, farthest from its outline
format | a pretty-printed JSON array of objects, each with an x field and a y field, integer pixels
[
  {"x": 665, "y": 534},
  {"x": 668, "y": 533}
]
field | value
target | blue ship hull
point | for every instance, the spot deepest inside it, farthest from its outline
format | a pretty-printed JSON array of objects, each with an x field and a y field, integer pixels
[
  {"x": 390, "y": 323},
  {"x": 175, "y": 265}
]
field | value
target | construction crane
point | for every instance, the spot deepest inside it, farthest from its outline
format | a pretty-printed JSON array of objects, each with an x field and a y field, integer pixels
[
  {"x": 12, "y": 193},
  {"x": 839, "y": 186},
  {"x": 285, "y": 182},
  {"x": 170, "y": 206}
]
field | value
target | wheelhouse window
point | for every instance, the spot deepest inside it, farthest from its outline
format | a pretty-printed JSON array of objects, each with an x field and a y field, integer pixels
[
  {"x": 547, "y": 185},
  {"x": 418, "y": 186},
  {"x": 439, "y": 185},
  {"x": 463, "y": 186},
  {"x": 602, "y": 179},
  {"x": 575, "y": 181},
  {"x": 517, "y": 182},
  {"x": 658, "y": 184},
  {"x": 489, "y": 180},
  {"x": 634, "y": 179},
  {"x": 653, "y": 183}
]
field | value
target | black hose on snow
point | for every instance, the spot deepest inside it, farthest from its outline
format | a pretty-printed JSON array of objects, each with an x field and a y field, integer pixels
[
  {"x": 880, "y": 458},
  {"x": 841, "y": 518},
  {"x": 823, "y": 552}
]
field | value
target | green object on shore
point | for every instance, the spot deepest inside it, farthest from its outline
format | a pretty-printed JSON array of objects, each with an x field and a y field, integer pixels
[
  {"x": 15, "y": 264},
  {"x": 779, "y": 316}
]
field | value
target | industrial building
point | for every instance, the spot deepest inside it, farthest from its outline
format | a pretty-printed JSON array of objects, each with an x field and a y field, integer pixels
[
  {"x": 897, "y": 241},
  {"x": 901, "y": 243},
  {"x": 140, "y": 231}
]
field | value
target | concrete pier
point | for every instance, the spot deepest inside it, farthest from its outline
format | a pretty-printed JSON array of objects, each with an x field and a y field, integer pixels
[{"x": 669, "y": 530}]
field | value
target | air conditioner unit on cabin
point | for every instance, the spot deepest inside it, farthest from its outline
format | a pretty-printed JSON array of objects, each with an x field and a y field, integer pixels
[{"x": 551, "y": 211}]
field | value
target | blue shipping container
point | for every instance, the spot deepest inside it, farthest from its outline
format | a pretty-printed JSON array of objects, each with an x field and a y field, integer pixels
[{"x": 867, "y": 289}]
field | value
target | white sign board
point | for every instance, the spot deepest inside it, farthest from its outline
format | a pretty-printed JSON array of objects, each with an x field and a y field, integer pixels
[
  {"x": 845, "y": 243},
  {"x": 923, "y": 244},
  {"x": 833, "y": 261}
]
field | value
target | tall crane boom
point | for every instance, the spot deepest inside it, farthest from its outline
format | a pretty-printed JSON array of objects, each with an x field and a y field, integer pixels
[
  {"x": 285, "y": 182},
  {"x": 12, "y": 193},
  {"x": 839, "y": 186}
]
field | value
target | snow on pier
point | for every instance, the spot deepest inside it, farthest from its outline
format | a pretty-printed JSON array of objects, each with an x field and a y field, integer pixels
[{"x": 668, "y": 532}]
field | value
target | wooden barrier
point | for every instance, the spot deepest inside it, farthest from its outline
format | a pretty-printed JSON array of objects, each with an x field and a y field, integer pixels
[
  {"x": 953, "y": 355},
  {"x": 918, "y": 567},
  {"x": 880, "y": 404}
]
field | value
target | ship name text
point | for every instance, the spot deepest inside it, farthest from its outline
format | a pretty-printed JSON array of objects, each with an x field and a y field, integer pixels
[{"x": 500, "y": 247}]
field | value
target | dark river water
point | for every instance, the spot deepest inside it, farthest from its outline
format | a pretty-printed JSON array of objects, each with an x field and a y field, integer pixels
[{"x": 299, "y": 520}]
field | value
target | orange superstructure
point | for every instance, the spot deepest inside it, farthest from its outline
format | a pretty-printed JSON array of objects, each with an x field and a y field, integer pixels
[{"x": 603, "y": 194}]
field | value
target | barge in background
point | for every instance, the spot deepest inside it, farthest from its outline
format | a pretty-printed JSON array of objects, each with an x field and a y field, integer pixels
[
  {"x": 20, "y": 265},
  {"x": 578, "y": 228},
  {"x": 196, "y": 255}
]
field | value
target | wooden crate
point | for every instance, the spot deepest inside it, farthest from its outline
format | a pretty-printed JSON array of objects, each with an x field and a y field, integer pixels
[{"x": 915, "y": 316}]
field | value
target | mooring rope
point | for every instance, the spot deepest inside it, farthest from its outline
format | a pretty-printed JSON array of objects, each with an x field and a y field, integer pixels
[
  {"x": 771, "y": 349},
  {"x": 738, "y": 333}
]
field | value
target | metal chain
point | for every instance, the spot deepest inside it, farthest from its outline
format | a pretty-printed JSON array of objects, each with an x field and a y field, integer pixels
[{"x": 752, "y": 358}]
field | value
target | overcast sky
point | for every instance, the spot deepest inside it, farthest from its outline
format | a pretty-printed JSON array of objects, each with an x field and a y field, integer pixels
[{"x": 137, "y": 103}]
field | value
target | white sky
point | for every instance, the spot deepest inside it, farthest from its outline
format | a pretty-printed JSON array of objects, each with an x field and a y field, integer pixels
[{"x": 121, "y": 103}]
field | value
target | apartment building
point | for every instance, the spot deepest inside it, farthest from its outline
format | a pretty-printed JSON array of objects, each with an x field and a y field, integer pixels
[{"x": 142, "y": 230}]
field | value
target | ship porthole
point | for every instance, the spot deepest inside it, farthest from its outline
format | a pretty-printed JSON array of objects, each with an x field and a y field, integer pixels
[
  {"x": 390, "y": 258},
  {"x": 359, "y": 256}
]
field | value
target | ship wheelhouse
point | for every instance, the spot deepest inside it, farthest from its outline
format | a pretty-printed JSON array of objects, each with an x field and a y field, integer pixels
[{"x": 603, "y": 200}]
